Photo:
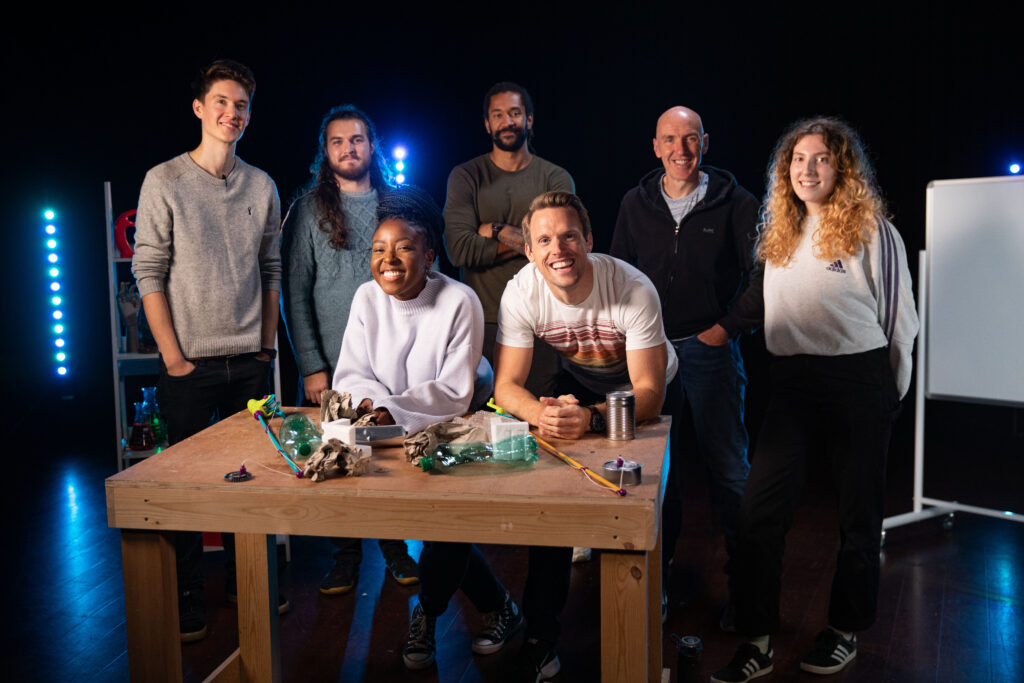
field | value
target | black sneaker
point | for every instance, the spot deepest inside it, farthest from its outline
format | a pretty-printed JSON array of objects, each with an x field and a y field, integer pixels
[
  {"x": 191, "y": 616},
  {"x": 537, "y": 661},
  {"x": 404, "y": 570},
  {"x": 418, "y": 652},
  {"x": 830, "y": 653},
  {"x": 341, "y": 579},
  {"x": 499, "y": 627},
  {"x": 747, "y": 663}
]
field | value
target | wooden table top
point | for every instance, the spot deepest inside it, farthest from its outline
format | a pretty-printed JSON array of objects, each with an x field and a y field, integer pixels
[{"x": 548, "y": 503}]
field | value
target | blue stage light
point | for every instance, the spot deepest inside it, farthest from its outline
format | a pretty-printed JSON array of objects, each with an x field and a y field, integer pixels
[
  {"x": 54, "y": 272},
  {"x": 51, "y": 244},
  {"x": 399, "y": 165},
  {"x": 61, "y": 356},
  {"x": 59, "y": 343},
  {"x": 400, "y": 153},
  {"x": 50, "y": 229},
  {"x": 55, "y": 301},
  {"x": 400, "y": 178},
  {"x": 62, "y": 370},
  {"x": 49, "y": 214},
  {"x": 58, "y": 329},
  {"x": 52, "y": 258},
  {"x": 57, "y": 315},
  {"x": 1015, "y": 168},
  {"x": 54, "y": 286}
]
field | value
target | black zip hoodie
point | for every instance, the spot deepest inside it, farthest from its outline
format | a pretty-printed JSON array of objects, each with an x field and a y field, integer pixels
[{"x": 702, "y": 266}]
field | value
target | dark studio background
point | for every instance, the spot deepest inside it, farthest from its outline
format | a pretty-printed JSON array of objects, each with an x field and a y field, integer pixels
[{"x": 935, "y": 92}]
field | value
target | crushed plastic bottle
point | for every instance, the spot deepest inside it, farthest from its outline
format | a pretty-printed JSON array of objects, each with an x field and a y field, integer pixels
[
  {"x": 522, "y": 448},
  {"x": 298, "y": 436}
]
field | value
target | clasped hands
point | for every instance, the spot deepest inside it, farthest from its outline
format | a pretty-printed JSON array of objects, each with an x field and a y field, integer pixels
[{"x": 563, "y": 417}]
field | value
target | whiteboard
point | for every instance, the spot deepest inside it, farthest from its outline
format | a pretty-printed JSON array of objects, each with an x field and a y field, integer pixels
[{"x": 975, "y": 303}]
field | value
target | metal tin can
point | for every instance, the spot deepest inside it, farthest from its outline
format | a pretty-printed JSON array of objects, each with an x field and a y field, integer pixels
[{"x": 621, "y": 417}]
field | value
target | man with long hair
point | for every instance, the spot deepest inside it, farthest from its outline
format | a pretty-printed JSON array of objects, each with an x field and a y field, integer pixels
[
  {"x": 691, "y": 227},
  {"x": 487, "y": 199},
  {"x": 326, "y": 257}
]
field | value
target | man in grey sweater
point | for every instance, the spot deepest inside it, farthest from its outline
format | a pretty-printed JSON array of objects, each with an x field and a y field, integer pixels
[
  {"x": 487, "y": 199},
  {"x": 207, "y": 262},
  {"x": 326, "y": 255}
]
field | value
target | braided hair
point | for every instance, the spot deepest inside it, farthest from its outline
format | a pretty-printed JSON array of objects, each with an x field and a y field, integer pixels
[{"x": 415, "y": 207}]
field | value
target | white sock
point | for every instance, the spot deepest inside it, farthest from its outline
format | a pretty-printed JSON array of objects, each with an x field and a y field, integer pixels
[
  {"x": 762, "y": 643},
  {"x": 844, "y": 634}
]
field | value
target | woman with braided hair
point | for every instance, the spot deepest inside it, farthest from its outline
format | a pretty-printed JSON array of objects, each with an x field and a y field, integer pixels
[{"x": 840, "y": 322}]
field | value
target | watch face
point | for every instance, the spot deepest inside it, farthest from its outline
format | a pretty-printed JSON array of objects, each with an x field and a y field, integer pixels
[{"x": 596, "y": 421}]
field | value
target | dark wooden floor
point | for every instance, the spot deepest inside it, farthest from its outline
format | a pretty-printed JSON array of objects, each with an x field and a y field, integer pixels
[{"x": 951, "y": 607}]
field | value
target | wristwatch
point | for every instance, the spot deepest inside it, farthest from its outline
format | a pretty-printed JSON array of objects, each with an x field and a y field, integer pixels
[
  {"x": 597, "y": 423},
  {"x": 270, "y": 352},
  {"x": 496, "y": 230}
]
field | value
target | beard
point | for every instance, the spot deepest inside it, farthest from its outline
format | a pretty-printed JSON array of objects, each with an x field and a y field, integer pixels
[
  {"x": 357, "y": 172},
  {"x": 517, "y": 142}
]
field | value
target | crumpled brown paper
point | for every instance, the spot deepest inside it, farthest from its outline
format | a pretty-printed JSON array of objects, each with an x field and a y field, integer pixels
[
  {"x": 335, "y": 405},
  {"x": 336, "y": 459},
  {"x": 424, "y": 442}
]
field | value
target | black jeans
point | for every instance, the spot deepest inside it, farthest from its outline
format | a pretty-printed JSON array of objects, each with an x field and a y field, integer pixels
[
  {"x": 215, "y": 389},
  {"x": 835, "y": 407}
]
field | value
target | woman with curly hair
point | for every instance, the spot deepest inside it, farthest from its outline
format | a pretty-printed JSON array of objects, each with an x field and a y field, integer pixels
[{"x": 840, "y": 322}]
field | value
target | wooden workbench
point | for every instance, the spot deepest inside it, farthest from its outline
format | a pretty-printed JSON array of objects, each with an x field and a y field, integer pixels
[{"x": 549, "y": 503}]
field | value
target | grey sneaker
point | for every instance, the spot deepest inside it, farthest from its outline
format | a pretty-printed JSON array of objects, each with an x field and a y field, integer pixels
[
  {"x": 418, "y": 652},
  {"x": 500, "y": 625}
]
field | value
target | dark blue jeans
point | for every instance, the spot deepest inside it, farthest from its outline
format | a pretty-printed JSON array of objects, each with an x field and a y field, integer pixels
[
  {"x": 217, "y": 388},
  {"x": 706, "y": 403}
]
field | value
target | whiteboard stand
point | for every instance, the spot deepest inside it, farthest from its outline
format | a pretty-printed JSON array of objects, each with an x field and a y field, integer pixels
[{"x": 938, "y": 508}]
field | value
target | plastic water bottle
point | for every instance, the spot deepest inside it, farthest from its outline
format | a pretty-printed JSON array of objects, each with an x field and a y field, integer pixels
[
  {"x": 448, "y": 455},
  {"x": 298, "y": 436},
  {"x": 688, "y": 649}
]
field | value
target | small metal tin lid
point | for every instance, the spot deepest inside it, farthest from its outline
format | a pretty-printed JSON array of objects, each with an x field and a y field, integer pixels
[{"x": 630, "y": 472}]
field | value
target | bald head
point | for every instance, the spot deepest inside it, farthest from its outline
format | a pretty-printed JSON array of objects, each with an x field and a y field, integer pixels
[
  {"x": 680, "y": 142},
  {"x": 679, "y": 114}
]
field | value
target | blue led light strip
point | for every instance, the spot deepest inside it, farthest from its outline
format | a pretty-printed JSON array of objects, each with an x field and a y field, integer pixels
[
  {"x": 55, "y": 292},
  {"x": 400, "y": 153}
]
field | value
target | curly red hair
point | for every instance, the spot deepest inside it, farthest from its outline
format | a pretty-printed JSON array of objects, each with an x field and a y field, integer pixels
[{"x": 847, "y": 219}]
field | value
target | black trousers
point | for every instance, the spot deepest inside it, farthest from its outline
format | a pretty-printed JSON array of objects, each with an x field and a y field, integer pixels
[
  {"x": 836, "y": 407},
  {"x": 446, "y": 567},
  {"x": 217, "y": 388}
]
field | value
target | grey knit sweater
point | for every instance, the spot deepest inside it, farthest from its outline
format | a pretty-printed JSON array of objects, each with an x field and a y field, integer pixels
[{"x": 211, "y": 245}]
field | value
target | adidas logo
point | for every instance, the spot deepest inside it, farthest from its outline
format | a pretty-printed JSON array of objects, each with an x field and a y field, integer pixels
[{"x": 836, "y": 267}]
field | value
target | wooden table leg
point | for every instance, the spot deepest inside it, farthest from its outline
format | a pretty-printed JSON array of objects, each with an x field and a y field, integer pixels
[
  {"x": 655, "y": 667},
  {"x": 151, "y": 606},
  {"x": 259, "y": 641},
  {"x": 625, "y": 592}
]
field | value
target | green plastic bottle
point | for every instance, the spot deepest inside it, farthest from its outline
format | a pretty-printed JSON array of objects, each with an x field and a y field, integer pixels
[{"x": 299, "y": 437}]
